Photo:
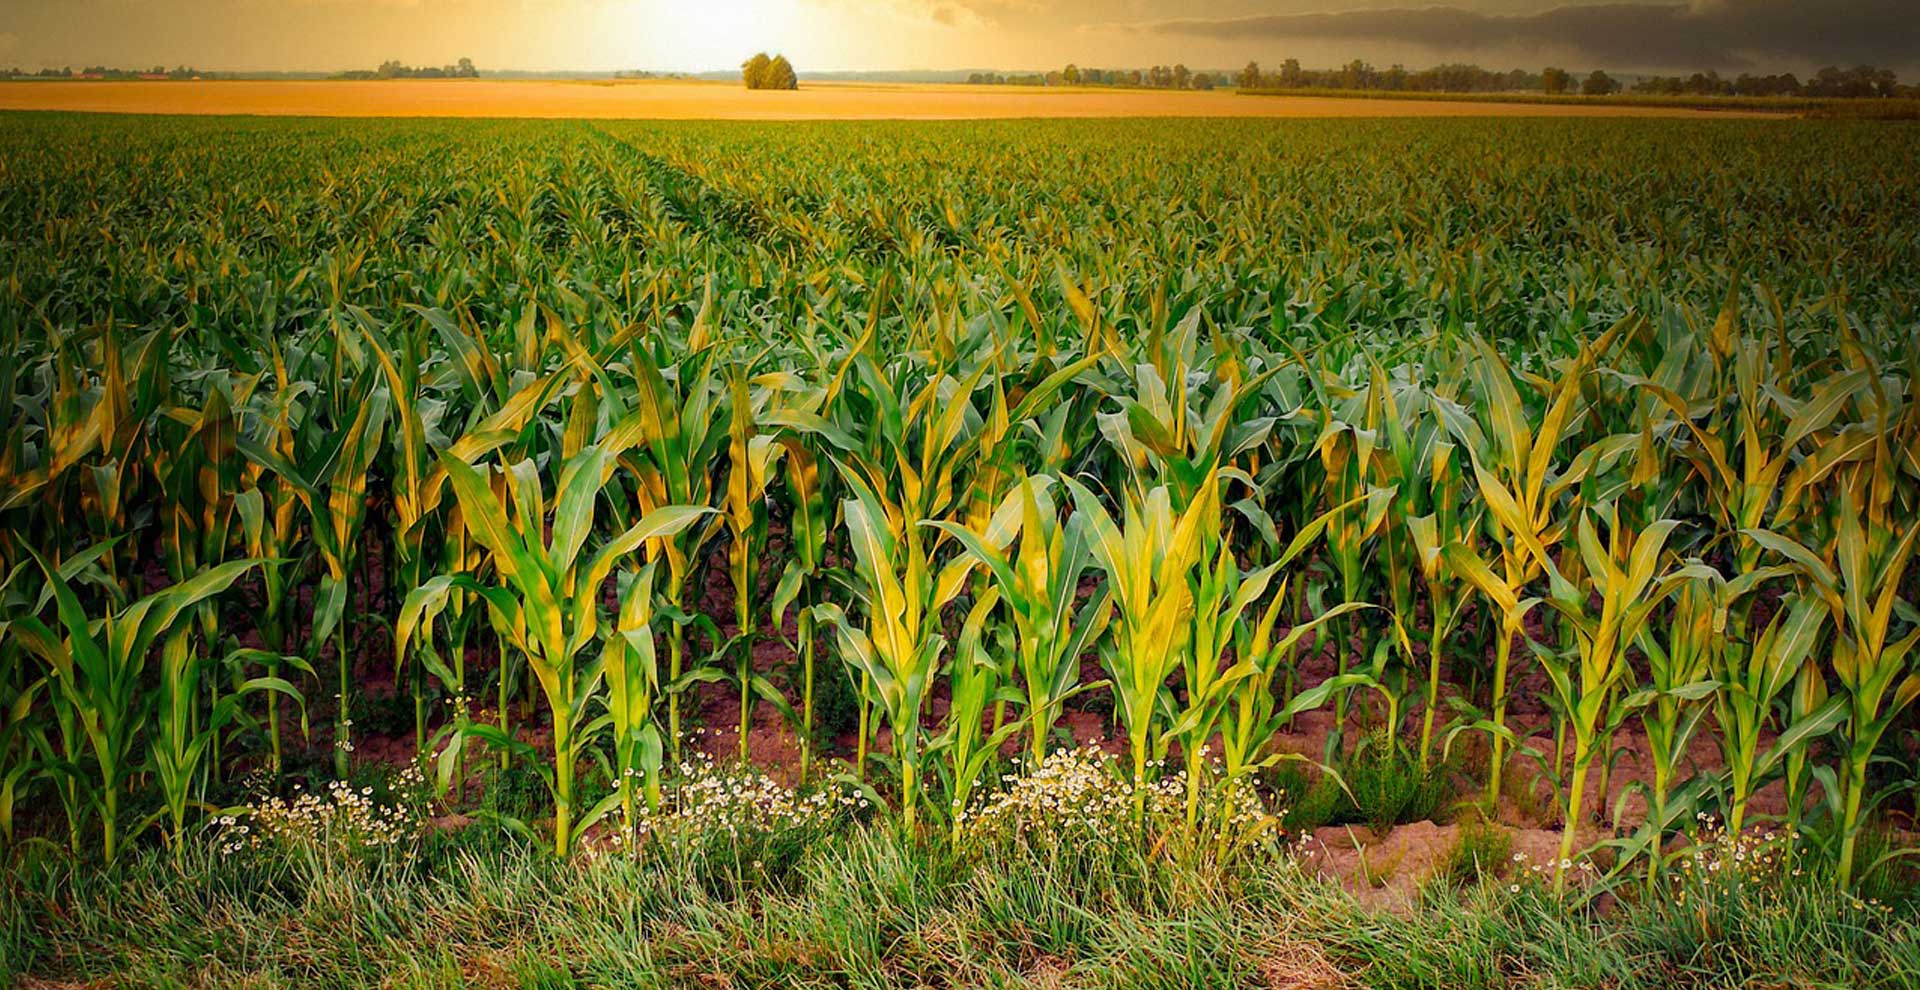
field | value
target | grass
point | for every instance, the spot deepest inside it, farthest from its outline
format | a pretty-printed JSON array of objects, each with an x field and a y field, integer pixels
[
  {"x": 864, "y": 908},
  {"x": 1385, "y": 787},
  {"x": 1482, "y": 851},
  {"x": 1311, "y": 799}
]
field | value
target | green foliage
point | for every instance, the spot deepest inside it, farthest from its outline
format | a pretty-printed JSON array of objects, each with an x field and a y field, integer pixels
[
  {"x": 852, "y": 905},
  {"x": 1481, "y": 851},
  {"x": 547, "y": 605},
  {"x": 1642, "y": 460},
  {"x": 1307, "y": 799},
  {"x": 1384, "y": 785}
]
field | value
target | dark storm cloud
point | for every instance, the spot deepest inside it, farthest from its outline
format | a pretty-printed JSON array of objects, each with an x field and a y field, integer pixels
[{"x": 1702, "y": 33}]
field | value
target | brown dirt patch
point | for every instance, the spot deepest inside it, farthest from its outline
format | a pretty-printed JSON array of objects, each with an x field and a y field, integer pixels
[
  {"x": 1292, "y": 964},
  {"x": 1386, "y": 870}
]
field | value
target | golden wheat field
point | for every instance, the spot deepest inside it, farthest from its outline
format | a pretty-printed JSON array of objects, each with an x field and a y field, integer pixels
[{"x": 676, "y": 100}]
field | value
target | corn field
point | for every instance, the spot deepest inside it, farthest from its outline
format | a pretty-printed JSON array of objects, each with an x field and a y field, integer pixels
[{"x": 1493, "y": 449}]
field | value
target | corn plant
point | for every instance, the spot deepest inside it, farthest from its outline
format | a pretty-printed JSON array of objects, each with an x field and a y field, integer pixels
[
  {"x": 682, "y": 431},
  {"x": 633, "y": 683},
  {"x": 183, "y": 736},
  {"x": 546, "y": 604},
  {"x": 456, "y": 609},
  {"x": 1148, "y": 560},
  {"x": 412, "y": 469},
  {"x": 1414, "y": 439},
  {"x": 1517, "y": 482},
  {"x": 1254, "y": 712},
  {"x": 1681, "y": 659},
  {"x": 1235, "y": 699},
  {"x": 505, "y": 431},
  {"x": 1038, "y": 580},
  {"x": 1876, "y": 671},
  {"x": 21, "y": 732},
  {"x": 96, "y": 665},
  {"x": 1351, "y": 459},
  {"x": 1749, "y": 681},
  {"x": 32, "y": 748},
  {"x": 801, "y": 578},
  {"x": 751, "y": 456},
  {"x": 897, "y": 648},
  {"x": 966, "y": 745},
  {"x": 335, "y": 493},
  {"x": 268, "y": 506},
  {"x": 1628, "y": 574},
  {"x": 924, "y": 439},
  {"x": 1448, "y": 522}
]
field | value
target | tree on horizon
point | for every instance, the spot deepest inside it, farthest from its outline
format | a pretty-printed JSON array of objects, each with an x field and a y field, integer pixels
[
  {"x": 753, "y": 71},
  {"x": 764, "y": 72},
  {"x": 780, "y": 74}
]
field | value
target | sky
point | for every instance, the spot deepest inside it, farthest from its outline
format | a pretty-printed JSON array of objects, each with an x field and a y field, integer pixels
[{"x": 838, "y": 35}]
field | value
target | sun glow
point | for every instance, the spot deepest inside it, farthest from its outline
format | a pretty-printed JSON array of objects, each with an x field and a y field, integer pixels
[{"x": 691, "y": 35}]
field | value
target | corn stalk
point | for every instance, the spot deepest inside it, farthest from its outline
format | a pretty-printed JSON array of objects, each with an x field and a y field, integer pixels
[{"x": 546, "y": 604}]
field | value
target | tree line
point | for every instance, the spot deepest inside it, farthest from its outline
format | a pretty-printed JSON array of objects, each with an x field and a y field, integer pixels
[
  {"x": 1858, "y": 82},
  {"x": 1158, "y": 77},
  {"x": 395, "y": 69},
  {"x": 1453, "y": 77},
  {"x": 1830, "y": 82},
  {"x": 105, "y": 72},
  {"x": 762, "y": 72}
]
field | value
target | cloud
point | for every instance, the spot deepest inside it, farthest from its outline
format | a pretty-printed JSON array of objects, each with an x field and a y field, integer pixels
[
  {"x": 964, "y": 14},
  {"x": 1703, "y": 33},
  {"x": 961, "y": 16}
]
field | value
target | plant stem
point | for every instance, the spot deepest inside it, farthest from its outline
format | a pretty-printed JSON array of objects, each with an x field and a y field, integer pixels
[
  {"x": 343, "y": 726},
  {"x": 1582, "y": 755},
  {"x": 501, "y": 688},
  {"x": 110, "y": 823},
  {"x": 562, "y": 790},
  {"x": 909, "y": 787},
  {"x": 273, "y": 722},
  {"x": 860, "y": 755},
  {"x": 1435, "y": 638},
  {"x": 675, "y": 658},
  {"x": 1503, "y": 651},
  {"x": 744, "y": 670},
  {"x": 419, "y": 708},
  {"x": 805, "y": 630},
  {"x": 1850, "y": 819},
  {"x": 1657, "y": 814}
]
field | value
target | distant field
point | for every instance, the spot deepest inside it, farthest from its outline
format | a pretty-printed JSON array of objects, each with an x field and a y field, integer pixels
[{"x": 723, "y": 101}]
